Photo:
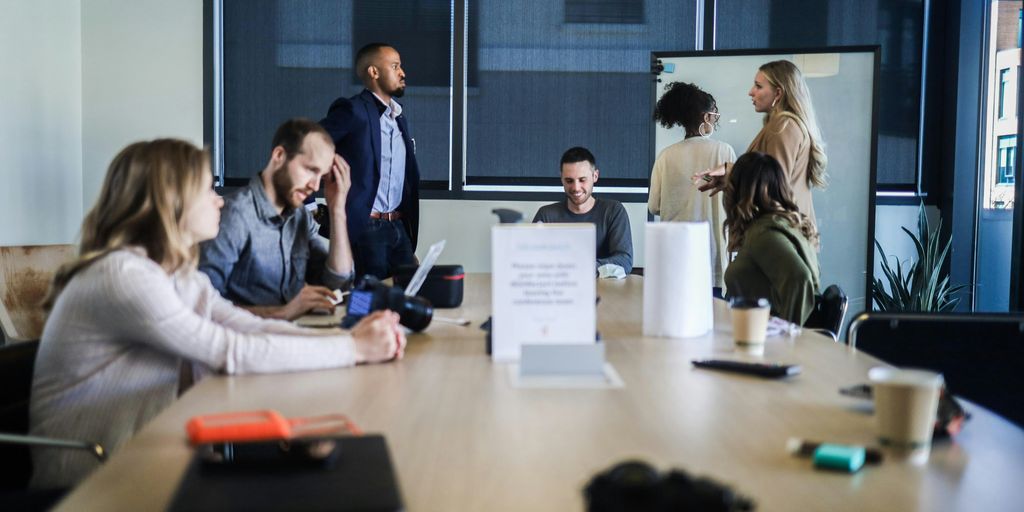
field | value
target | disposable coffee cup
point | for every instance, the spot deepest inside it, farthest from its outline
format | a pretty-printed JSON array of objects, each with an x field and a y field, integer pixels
[
  {"x": 749, "y": 319},
  {"x": 906, "y": 402}
]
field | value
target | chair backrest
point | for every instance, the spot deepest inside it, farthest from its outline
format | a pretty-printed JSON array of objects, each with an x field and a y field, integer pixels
[
  {"x": 16, "y": 365},
  {"x": 980, "y": 356},
  {"x": 25, "y": 275},
  {"x": 829, "y": 310}
]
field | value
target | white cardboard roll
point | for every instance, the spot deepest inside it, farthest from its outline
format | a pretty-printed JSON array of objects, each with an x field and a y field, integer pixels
[{"x": 677, "y": 279}]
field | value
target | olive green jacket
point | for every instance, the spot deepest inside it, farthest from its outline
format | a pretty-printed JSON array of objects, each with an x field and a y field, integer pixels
[{"x": 776, "y": 262}]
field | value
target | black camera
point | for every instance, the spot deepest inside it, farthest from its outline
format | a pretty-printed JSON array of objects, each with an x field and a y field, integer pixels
[
  {"x": 637, "y": 486},
  {"x": 370, "y": 295}
]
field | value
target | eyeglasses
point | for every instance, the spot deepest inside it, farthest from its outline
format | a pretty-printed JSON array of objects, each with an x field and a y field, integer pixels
[{"x": 714, "y": 115}]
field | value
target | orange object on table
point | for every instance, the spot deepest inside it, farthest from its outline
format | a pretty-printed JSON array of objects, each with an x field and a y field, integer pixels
[{"x": 263, "y": 425}]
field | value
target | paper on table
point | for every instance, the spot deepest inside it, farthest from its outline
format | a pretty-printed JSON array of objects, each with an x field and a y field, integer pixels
[
  {"x": 677, "y": 279},
  {"x": 543, "y": 288}
]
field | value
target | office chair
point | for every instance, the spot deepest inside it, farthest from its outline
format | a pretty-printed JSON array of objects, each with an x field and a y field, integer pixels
[
  {"x": 829, "y": 311},
  {"x": 981, "y": 356},
  {"x": 17, "y": 362}
]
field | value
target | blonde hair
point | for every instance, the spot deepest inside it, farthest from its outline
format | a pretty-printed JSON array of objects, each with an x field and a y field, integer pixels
[
  {"x": 795, "y": 104},
  {"x": 148, "y": 187}
]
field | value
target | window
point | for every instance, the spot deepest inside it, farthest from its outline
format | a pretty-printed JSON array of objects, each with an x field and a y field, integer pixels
[
  {"x": 545, "y": 86},
  {"x": 288, "y": 58},
  {"x": 604, "y": 11},
  {"x": 1006, "y": 158},
  {"x": 896, "y": 25},
  {"x": 1004, "y": 82}
]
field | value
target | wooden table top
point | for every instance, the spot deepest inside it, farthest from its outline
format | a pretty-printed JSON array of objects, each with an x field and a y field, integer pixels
[{"x": 463, "y": 438}]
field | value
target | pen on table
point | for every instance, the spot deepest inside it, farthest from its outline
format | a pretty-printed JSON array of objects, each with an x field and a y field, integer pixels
[{"x": 802, "y": 447}]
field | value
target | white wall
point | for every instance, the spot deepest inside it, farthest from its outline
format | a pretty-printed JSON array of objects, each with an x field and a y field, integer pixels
[
  {"x": 466, "y": 225},
  {"x": 81, "y": 81},
  {"x": 142, "y": 77},
  {"x": 40, "y": 122}
]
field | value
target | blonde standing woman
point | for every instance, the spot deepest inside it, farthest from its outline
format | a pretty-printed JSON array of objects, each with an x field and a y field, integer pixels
[
  {"x": 132, "y": 315},
  {"x": 672, "y": 195},
  {"x": 790, "y": 133}
]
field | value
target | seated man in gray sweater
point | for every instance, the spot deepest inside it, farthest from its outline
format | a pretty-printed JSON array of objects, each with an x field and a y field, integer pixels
[{"x": 579, "y": 173}]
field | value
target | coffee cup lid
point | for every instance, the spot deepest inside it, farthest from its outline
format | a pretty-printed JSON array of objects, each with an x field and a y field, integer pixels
[
  {"x": 748, "y": 302},
  {"x": 904, "y": 377}
]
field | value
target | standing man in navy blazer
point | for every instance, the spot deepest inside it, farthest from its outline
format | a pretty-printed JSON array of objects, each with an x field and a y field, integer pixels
[{"x": 371, "y": 134}]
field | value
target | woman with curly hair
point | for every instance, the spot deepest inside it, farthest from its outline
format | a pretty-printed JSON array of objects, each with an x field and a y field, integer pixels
[
  {"x": 775, "y": 244},
  {"x": 672, "y": 195}
]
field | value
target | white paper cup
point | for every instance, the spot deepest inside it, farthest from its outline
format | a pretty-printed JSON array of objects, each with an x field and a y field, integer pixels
[
  {"x": 749, "y": 319},
  {"x": 906, "y": 402}
]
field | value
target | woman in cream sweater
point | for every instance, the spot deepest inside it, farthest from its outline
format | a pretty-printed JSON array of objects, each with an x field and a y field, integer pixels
[
  {"x": 672, "y": 195},
  {"x": 132, "y": 317}
]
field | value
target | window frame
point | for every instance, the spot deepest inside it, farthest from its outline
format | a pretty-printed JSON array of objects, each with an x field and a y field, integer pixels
[
  {"x": 1006, "y": 153},
  {"x": 456, "y": 186}
]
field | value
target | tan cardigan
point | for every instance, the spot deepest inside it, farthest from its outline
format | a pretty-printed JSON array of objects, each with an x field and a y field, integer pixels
[{"x": 787, "y": 140}]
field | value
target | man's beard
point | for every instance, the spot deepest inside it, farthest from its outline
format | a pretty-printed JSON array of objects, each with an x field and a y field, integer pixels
[
  {"x": 398, "y": 92},
  {"x": 283, "y": 186}
]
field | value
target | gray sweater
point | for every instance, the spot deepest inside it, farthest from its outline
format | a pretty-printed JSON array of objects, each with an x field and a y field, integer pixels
[{"x": 614, "y": 240}]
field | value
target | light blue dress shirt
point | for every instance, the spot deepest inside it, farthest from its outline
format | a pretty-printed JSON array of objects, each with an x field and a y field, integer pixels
[{"x": 392, "y": 160}]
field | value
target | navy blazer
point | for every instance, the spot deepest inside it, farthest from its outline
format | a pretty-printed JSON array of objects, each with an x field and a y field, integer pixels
[{"x": 354, "y": 124}]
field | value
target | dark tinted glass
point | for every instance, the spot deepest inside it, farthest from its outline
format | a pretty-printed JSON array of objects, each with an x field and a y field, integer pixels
[
  {"x": 896, "y": 25},
  {"x": 544, "y": 84},
  {"x": 288, "y": 58}
]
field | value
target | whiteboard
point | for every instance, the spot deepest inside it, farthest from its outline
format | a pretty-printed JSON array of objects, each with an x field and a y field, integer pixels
[{"x": 842, "y": 89}]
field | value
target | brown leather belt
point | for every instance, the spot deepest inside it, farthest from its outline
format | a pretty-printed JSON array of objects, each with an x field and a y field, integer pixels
[{"x": 395, "y": 215}]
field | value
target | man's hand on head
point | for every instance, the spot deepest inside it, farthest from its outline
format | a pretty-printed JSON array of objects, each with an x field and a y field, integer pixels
[{"x": 339, "y": 180}]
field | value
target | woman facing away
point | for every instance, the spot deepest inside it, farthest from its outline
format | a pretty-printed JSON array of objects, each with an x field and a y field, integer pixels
[
  {"x": 132, "y": 315},
  {"x": 790, "y": 133},
  {"x": 775, "y": 244},
  {"x": 672, "y": 195}
]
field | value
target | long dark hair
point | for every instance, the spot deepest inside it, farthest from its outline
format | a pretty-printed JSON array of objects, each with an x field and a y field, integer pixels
[{"x": 757, "y": 186}]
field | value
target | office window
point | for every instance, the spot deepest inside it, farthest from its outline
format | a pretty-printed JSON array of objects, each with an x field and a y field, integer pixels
[
  {"x": 1006, "y": 158},
  {"x": 1004, "y": 81},
  {"x": 288, "y": 58},
  {"x": 604, "y": 11},
  {"x": 896, "y": 25},
  {"x": 545, "y": 86}
]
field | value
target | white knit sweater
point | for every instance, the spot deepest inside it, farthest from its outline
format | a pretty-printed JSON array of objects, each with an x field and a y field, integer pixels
[
  {"x": 675, "y": 198},
  {"x": 113, "y": 347}
]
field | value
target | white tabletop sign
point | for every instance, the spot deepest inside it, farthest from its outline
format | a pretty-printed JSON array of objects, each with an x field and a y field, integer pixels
[{"x": 543, "y": 287}]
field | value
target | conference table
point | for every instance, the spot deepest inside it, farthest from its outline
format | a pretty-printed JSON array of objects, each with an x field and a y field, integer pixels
[{"x": 462, "y": 437}]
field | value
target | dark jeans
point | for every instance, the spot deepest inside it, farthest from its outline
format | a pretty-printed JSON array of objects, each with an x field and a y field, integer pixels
[{"x": 382, "y": 247}]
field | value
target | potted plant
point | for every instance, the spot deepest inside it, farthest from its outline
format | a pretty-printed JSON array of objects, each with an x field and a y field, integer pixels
[{"x": 925, "y": 286}]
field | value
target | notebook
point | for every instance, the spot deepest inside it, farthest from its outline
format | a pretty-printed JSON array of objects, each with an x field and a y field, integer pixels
[{"x": 361, "y": 478}]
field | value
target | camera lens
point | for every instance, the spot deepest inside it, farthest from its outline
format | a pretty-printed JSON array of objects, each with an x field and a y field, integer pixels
[{"x": 414, "y": 312}]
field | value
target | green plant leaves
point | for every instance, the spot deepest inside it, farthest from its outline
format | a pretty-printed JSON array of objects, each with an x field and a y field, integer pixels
[{"x": 924, "y": 287}]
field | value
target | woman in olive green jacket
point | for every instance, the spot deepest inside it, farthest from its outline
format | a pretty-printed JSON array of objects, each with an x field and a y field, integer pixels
[{"x": 776, "y": 245}]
